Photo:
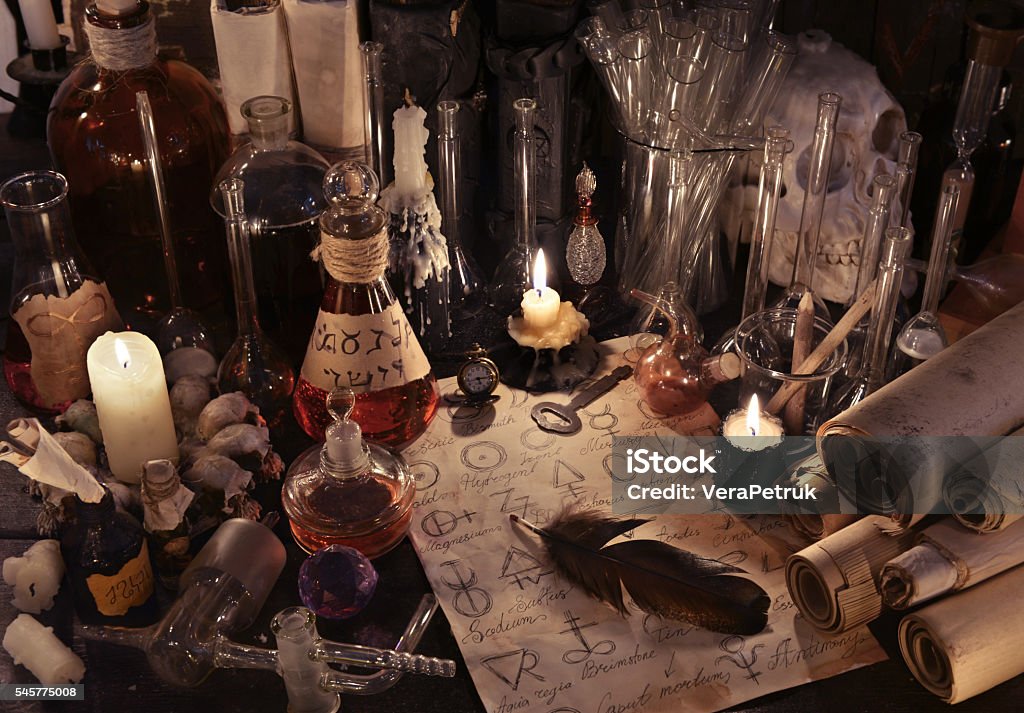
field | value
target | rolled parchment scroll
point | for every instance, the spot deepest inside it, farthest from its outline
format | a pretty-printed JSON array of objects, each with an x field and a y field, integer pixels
[
  {"x": 949, "y": 557},
  {"x": 252, "y": 52},
  {"x": 834, "y": 582},
  {"x": 891, "y": 452},
  {"x": 987, "y": 494},
  {"x": 966, "y": 644},
  {"x": 818, "y": 518}
]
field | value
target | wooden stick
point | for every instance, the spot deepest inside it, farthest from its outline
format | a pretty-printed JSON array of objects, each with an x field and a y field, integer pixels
[
  {"x": 803, "y": 336},
  {"x": 828, "y": 345}
]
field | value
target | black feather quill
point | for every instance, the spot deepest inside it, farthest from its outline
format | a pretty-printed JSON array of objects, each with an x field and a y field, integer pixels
[{"x": 661, "y": 579}]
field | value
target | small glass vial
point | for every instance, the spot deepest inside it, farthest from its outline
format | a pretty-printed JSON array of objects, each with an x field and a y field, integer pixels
[
  {"x": 168, "y": 510},
  {"x": 362, "y": 339},
  {"x": 348, "y": 491},
  {"x": 108, "y": 564}
]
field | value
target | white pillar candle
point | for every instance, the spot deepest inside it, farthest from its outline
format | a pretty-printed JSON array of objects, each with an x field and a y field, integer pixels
[
  {"x": 117, "y": 7},
  {"x": 35, "y": 576},
  {"x": 134, "y": 410},
  {"x": 541, "y": 304},
  {"x": 40, "y": 24},
  {"x": 34, "y": 646},
  {"x": 754, "y": 429},
  {"x": 410, "y": 145}
]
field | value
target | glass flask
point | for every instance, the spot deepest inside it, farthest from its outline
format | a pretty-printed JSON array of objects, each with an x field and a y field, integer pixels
[
  {"x": 362, "y": 339},
  {"x": 650, "y": 322},
  {"x": 108, "y": 566},
  {"x": 465, "y": 286},
  {"x": 584, "y": 251},
  {"x": 376, "y": 141},
  {"x": 94, "y": 138},
  {"x": 283, "y": 199},
  {"x": 675, "y": 374},
  {"x": 513, "y": 278},
  {"x": 168, "y": 516},
  {"x": 347, "y": 491},
  {"x": 253, "y": 365},
  {"x": 58, "y": 304}
]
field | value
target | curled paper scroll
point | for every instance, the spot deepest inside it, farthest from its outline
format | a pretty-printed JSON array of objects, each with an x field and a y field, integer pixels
[
  {"x": 324, "y": 37},
  {"x": 949, "y": 557},
  {"x": 834, "y": 582},
  {"x": 819, "y": 518},
  {"x": 252, "y": 52},
  {"x": 966, "y": 644},
  {"x": 51, "y": 464},
  {"x": 987, "y": 494},
  {"x": 891, "y": 452}
]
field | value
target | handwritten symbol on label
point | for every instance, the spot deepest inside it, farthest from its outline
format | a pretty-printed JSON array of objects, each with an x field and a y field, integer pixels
[
  {"x": 380, "y": 334},
  {"x": 604, "y": 421},
  {"x": 520, "y": 506},
  {"x": 511, "y": 666},
  {"x": 442, "y": 522},
  {"x": 521, "y": 567},
  {"x": 425, "y": 473},
  {"x": 576, "y": 656},
  {"x": 536, "y": 439},
  {"x": 360, "y": 378},
  {"x": 483, "y": 455},
  {"x": 469, "y": 600},
  {"x": 733, "y": 647},
  {"x": 350, "y": 344},
  {"x": 328, "y": 340}
]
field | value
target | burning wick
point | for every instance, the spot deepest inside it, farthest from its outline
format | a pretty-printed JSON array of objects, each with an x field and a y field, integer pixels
[
  {"x": 753, "y": 415},
  {"x": 540, "y": 273},
  {"x": 122, "y": 354}
]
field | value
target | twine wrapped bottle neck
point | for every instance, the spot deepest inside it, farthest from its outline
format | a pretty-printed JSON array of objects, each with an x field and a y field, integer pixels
[
  {"x": 124, "y": 48},
  {"x": 354, "y": 260}
]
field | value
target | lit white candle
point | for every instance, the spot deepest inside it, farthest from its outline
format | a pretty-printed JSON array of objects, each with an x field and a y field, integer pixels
[
  {"x": 40, "y": 24},
  {"x": 410, "y": 145},
  {"x": 541, "y": 304},
  {"x": 754, "y": 429},
  {"x": 134, "y": 410}
]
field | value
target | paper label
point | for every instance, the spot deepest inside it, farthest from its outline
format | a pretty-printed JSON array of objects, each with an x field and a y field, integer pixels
[
  {"x": 59, "y": 331},
  {"x": 369, "y": 352},
  {"x": 130, "y": 587}
]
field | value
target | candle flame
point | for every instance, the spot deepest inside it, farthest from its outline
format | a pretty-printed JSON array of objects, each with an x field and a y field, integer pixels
[
  {"x": 124, "y": 357},
  {"x": 753, "y": 416},
  {"x": 540, "y": 272}
]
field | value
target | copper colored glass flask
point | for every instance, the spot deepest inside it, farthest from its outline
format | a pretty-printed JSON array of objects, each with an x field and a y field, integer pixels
[
  {"x": 362, "y": 339},
  {"x": 94, "y": 138}
]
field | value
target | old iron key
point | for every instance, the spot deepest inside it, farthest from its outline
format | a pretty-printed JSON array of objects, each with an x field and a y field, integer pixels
[{"x": 562, "y": 418}]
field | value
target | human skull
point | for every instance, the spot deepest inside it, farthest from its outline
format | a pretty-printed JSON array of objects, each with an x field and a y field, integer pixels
[{"x": 867, "y": 138}]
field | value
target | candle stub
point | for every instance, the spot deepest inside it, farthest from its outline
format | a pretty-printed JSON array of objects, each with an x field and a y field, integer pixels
[
  {"x": 34, "y": 646},
  {"x": 547, "y": 322},
  {"x": 752, "y": 429},
  {"x": 117, "y": 7},
  {"x": 35, "y": 576}
]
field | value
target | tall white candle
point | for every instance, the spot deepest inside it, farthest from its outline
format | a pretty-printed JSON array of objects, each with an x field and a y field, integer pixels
[
  {"x": 410, "y": 145},
  {"x": 541, "y": 304},
  {"x": 40, "y": 24},
  {"x": 134, "y": 410}
]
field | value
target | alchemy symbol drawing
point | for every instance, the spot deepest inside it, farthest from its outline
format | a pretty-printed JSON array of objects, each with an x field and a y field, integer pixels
[
  {"x": 605, "y": 421},
  {"x": 443, "y": 522},
  {"x": 609, "y": 463},
  {"x": 469, "y": 600},
  {"x": 733, "y": 648},
  {"x": 536, "y": 439},
  {"x": 576, "y": 656},
  {"x": 511, "y": 666},
  {"x": 520, "y": 505},
  {"x": 567, "y": 477},
  {"x": 521, "y": 566},
  {"x": 425, "y": 473},
  {"x": 483, "y": 455}
]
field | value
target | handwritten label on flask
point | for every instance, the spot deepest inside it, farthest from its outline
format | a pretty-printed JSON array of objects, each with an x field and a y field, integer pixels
[
  {"x": 368, "y": 352},
  {"x": 132, "y": 586}
]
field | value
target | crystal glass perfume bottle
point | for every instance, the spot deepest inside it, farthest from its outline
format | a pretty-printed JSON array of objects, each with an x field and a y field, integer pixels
[
  {"x": 283, "y": 199},
  {"x": 108, "y": 564},
  {"x": 513, "y": 278},
  {"x": 585, "y": 251},
  {"x": 253, "y": 365},
  {"x": 93, "y": 134},
  {"x": 362, "y": 339},
  {"x": 58, "y": 304},
  {"x": 465, "y": 286},
  {"x": 347, "y": 491}
]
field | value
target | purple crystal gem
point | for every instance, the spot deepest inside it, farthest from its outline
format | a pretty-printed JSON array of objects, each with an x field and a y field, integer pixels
[{"x": 336, "y": 582}]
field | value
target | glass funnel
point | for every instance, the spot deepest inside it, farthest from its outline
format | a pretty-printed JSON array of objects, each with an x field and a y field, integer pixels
[
  {"x": 513, "y": 277},
  {"x": 253, "y": 365},
  {"x": 283, "y": 199}
]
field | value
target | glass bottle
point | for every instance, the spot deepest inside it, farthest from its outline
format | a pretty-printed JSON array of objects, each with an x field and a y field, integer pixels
[
  {"x": 584, "y": 250},
  {"x": 513, "y": 278},
  {"x": 167, "y": 518},
  {"x": 94, "y": 138},
  {"x": 58, "y": 304},
  {"x": 362, "y": 339},
  {"x": 283, "y": 199},
  {"x": 650, "y": 323},
  {"x": 465, "y": 286},
  {"x": 108, "y": 565},
  {"x": 347, "y": 491},
  {"x": 253, "y": 365}
]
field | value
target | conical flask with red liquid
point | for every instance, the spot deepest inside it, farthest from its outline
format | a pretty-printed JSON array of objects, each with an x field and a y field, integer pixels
[{"x": 362, "y": 339}]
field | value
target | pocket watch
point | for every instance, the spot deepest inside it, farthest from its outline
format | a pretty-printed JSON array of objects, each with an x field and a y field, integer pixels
[{"x": 478, "y": 377}]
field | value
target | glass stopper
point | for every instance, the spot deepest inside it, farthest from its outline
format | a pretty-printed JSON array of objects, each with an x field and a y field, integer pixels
[
  {"x": 351, "y": 184},
  {"x": 340, "y": 402}
]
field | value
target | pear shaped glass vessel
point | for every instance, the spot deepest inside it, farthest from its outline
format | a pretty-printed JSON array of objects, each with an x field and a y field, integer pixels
[{"x": 253, "y": 365}]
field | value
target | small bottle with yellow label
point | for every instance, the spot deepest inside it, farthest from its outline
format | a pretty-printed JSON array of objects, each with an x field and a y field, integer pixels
[{"x": 108, "y": 564}]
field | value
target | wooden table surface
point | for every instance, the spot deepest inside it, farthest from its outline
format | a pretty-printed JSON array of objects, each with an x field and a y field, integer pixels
[{"x": 119, "y": 679}]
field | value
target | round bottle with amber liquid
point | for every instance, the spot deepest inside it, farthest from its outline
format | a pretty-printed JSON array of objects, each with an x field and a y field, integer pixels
[{"x": 362, "y": 339}]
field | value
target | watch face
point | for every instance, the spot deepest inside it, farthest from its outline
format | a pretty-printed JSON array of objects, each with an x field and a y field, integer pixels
[{"x": 478, "y": 378}]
